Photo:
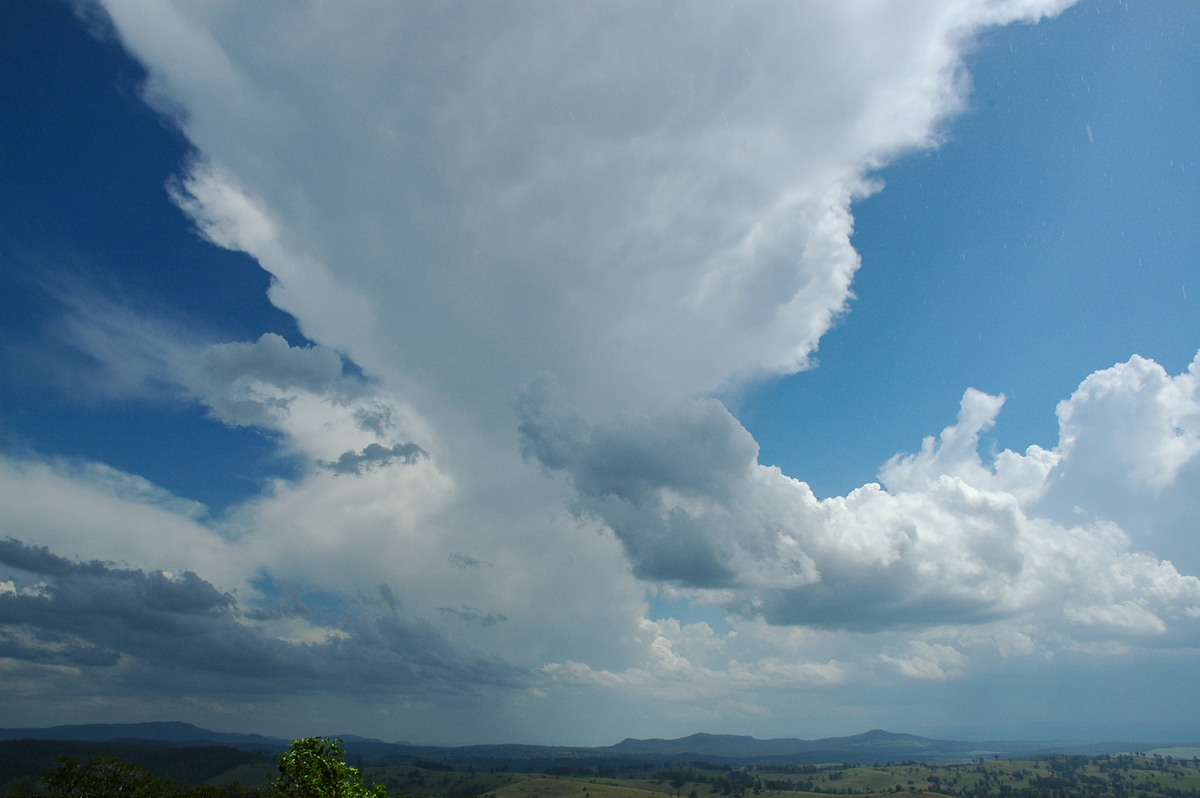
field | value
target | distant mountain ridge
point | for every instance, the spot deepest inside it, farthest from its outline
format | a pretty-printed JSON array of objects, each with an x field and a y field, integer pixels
[
  {"x": 733, "y": 745},
  {"x": 176, "y": 732},
  {"x": 876, "y": 745}
]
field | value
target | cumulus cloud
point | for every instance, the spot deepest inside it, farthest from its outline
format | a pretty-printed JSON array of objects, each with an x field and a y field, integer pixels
[
  {"x": 949, "y": 544},
  {"x": 1136, "y": 419},
  {"x": 956, "y": 453},
  {"x": 1129, "y": 443},
  {"x": 244, "y": 382}
]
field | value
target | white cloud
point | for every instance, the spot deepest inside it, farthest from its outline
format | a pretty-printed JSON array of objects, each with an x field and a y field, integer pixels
[
  {"x": 624, "y": 206},
  {"x": 956, "y": 453},
  {"x": 92, "y": 511},
  {"x": 940, "y": 550},
  {"x": 243, "y": 383},
  {"x": 1137, "y": 420},
  {"x": 665, "y": 189},
  {"x": 1129, "y": 439},
  {"x": 105, "y": 345},
  {"x": 689, "y": 664},
  {"x": 924, "y": 660},
  {"x": 926, "y": 584}
]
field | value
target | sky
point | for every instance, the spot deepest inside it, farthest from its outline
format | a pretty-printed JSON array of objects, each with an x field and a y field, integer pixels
[{"x": 556, "y": 373}]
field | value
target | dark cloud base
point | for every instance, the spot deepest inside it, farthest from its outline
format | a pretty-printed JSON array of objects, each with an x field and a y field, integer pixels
[{"x": 167, "y": 630}]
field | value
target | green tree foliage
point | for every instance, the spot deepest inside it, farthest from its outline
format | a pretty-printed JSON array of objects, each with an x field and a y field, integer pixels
[
  {"x": 315, "y": 767},
  {"x": 105, "y": 777}
]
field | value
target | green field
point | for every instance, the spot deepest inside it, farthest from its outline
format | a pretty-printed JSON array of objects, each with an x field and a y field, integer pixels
[{"x": 1134, "y": 776}]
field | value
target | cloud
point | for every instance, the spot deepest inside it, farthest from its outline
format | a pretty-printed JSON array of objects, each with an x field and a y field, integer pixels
[
  {"x": 530, "y": 245},
  {"x": 956, "y": 453},
  {"x": 472, "y": 615},
  {"x": 1136, "y": 418},
  {"x": 298, "y": 393},
  {"x": 1127, "y": 454},
  {"x": 92, "y": 614},
  {"x": 923, "y": 581},
  {"x": 97, "y": 512},
  {"x": 651, "y": 479},
  {"x": 1128, "y": 438},
  {"x": 101, "y": 344},
  {"x": 373, "y": 454},
  {"x": 388, "y": 525},
  {"x": 663, "y": 211},
  {"x": 924, "y": 660},
  {"x": 684, "y": 663},
  {"x": 389, "y": 598},
  {"x": 949, "y": 544},
  {"x": 463, "y": 561},
  {"x": 244, "y": 383}
]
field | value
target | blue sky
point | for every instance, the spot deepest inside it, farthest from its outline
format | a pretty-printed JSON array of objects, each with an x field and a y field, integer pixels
[
  {"x": 1020, "y": 230},
  {"x": 781, "y": 370}
]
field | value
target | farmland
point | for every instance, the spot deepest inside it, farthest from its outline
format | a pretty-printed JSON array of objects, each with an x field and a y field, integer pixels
[{"x": 1135, "y": 776}]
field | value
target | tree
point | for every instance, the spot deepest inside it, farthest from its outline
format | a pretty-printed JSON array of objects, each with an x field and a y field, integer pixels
[
  {"x": 104, "y": 776},
  {"x": 315, "y": 767}
]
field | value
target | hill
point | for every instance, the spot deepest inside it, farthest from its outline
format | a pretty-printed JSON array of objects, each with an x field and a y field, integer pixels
[
  {"x": 160, "y": 732},
  {"x": 725, "y": 749}
]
